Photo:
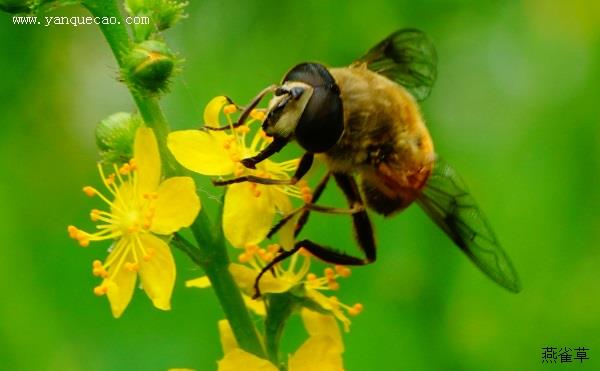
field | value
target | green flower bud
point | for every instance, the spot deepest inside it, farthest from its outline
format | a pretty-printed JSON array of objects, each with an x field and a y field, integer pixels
[
  {"x": 149, "y": 66},
  {"x": 15, "y": 6},
  {"x": 163, "y": 13},
  {"x": 168, "y": 13},
  {"x": 114, "y": 136}
]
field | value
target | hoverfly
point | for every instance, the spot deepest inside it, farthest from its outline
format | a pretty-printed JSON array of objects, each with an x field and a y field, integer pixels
[{"x": 364, "y": 121}]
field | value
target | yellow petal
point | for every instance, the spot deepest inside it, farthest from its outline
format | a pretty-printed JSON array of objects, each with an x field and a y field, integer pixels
[
  {"x": 245, "y": 277},
  {"x": 120, "y": 283},
  {"x": 318, "y": 353},
  {"x": 147, "y": 159},
  {"x": 285, "y": 235},
  {"x": 158, "y": 272},
  {"x": 246, "y": 218},
  {"x": 200, "y": 282},
  {"x": 213, "y": 109},
  {"x": 280, "y": 200},
  {"x": 228, "y": 341},
  {"x": 320, "y": 324},
  {"x": 176, "y": 206},
  {"x": 239, "y": 360},
  {"x": 257, "y": 306},
  {"x": 202, "y": 151},
  {"x": 282, "y": 204}
]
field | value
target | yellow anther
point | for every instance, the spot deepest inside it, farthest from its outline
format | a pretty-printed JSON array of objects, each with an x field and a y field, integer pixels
[
  {"x": 229, "y": 109},
  {"x": 110, "y": 179},
  {"x": 356, "y": 309},
  {"x": 242, "y": 129},
  {"x": 302, "y": 183},
  {"x": 226, "y": 145},
  {"x": 304, "y": 252},
  {"x": 73, "y": 231},
  {"x": 305, "y": 189},
  {"x": 257, "y": 115},
  {"x": 147, "y": 225},
  {"x": 235, "y": 157},
  {"x": 125, "y": 169},
  {"x": 94, "y": 214},
  {"x": 307, "y": 198},
  {"x": 257, "y": 193},
  {"x": 97, "y": 263},
  {"x": 261, "y": 252},
  {"x": 89, "y": 191},
  {"x": 273, "y": 248},
  {"x": 311, "y": 276},
  {"x": 342, "y": 270},
  {"x": 133, "y": 164},
  {"x": 147, "y": 257},
  {"x": 333, "y": 285},
  {"x": 100, "y": 290},
  {"x": 150, "y": 195},
  {"x": 268, "y": 257},
  {"x": 98, "y": 271},
  {"x": 243, "y": 257},
  {"x": 329, "y": 273},
  {"x": 134, "y": 228},
  {"x": 132, "y": 267},
  {"x": 83, "y": 241},
  {"x": 251, "y": 247}
]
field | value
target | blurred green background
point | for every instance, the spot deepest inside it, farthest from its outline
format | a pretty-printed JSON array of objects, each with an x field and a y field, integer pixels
[{"x": 515, "y": 109}]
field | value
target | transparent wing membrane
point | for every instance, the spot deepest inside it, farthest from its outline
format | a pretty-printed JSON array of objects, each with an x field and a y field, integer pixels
[
  {"x": 446, "y": 200},
  {"x": 406, "y": 57}
]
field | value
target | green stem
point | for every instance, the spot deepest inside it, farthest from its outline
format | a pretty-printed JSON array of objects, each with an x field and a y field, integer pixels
[
  {"x": 211, "y": 253},
  {"x": 280, "y": 308}
]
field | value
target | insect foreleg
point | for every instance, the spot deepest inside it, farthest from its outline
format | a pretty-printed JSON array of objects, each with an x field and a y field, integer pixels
[
  {"x": 246, "y": 112},
  {"x": 303, "y": 167}
]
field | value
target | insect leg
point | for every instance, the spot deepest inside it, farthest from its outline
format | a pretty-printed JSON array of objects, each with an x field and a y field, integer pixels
[
  {"x": 360, "y": 220},
  {"x": 330, "y": 255},
  {"x": 303, "y": 167},
  {"x": 361, "y": 223},
  {"x": 322, "y": 252},
  {"x": 246, "y": 112},
  {"x": 275, "y": 146},
  {"x": 279, "y": 258},
  {"x": 304, "y": 217}
]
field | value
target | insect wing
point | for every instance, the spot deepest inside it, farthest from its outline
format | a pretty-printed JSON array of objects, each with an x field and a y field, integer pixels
[
  {"x": 407, "y": 57},
  {"x": 446, "y": 200}
]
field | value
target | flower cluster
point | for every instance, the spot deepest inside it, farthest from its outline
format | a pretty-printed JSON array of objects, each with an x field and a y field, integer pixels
[{"x": 142, "y": 211}]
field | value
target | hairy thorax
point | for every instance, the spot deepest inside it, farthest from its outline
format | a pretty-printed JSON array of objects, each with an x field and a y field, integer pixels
[{"x": 382, "y": 124}]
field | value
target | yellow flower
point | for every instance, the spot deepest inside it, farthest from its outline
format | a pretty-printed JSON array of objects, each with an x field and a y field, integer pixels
[
  {"x": 142, "y": 207},
  {"x": 321, "y": 352},
  {"x": 249, "y": 207},
  {"x": 281, "y": 280}
]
